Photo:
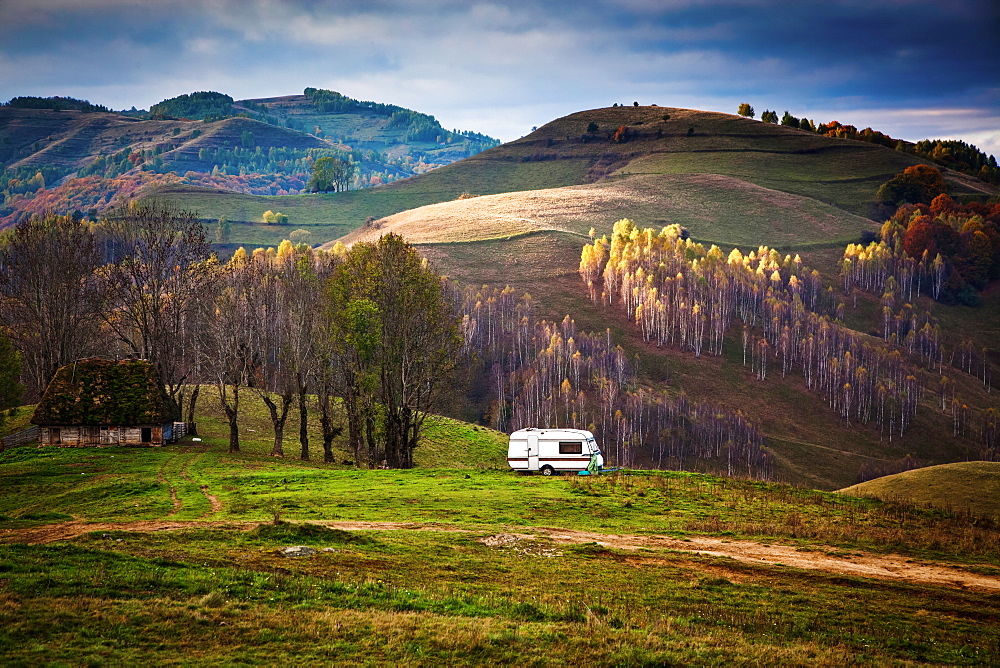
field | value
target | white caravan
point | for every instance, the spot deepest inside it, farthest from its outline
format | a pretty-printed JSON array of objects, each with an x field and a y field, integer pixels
[{"x": 553, "y": 451}]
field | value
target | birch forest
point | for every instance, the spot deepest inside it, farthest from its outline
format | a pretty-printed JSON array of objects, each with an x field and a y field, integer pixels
[{"x": 774, "y": 307}]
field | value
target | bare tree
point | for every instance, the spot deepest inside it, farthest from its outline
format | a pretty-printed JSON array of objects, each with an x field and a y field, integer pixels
[
  {"x": 154, "y": 254},
  {"x": 49, "y": 300},
  {"x": 272, "y": 381},
  {"x": 232, "y": 339}
]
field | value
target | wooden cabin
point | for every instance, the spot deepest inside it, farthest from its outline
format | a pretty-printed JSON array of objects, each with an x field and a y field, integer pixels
[{"x": 105, "y": 402}]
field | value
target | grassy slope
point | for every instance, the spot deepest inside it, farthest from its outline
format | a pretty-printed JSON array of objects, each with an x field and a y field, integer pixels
[
  {"x": 838, "y": 173},
  {"x": 332, "y": 215},
  {"x": 222, "y": 594},
  {"x": 716, "y": 208},
  {"x": 972, "y": 487}
]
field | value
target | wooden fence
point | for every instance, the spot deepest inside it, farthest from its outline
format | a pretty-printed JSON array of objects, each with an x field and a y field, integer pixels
[{"x": 19, "y": 438}]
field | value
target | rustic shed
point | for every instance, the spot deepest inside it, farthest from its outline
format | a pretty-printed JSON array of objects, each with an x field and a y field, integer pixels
[{"x": 105, "y": 402}]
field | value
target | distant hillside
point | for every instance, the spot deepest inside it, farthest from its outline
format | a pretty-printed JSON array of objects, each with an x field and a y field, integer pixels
[
  {"x": 260, "y": 147},
  {"x": 730, "y": 181},
  {"x": 972, "y": 487},
  {"x": 710, "y": 171}
]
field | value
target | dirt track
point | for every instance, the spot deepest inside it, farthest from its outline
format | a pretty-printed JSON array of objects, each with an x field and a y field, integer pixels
[{"x": 854, "y": 563}]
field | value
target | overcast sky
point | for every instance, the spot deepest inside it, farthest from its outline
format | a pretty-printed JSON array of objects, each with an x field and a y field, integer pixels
[{"x": 914, "y": 69}]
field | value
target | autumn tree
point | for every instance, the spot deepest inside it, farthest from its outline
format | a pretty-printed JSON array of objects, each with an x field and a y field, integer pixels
[
  {"x": 389, "y": 317},
  {"x": 275, "y": 218},
  {"x": 234, "y": 345},
  {"x": 745, "y": 110},
  {"x": 301, "y": 274},
  {"x": 917, "y": 183},
  {"x": 273, "y": 378}
]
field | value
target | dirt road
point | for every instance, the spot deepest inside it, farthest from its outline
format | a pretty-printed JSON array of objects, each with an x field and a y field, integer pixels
[{"x": 853, "y": 562}]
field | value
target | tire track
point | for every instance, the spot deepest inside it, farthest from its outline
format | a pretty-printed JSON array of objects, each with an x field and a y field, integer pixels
[{"x": 192, "y": 454}]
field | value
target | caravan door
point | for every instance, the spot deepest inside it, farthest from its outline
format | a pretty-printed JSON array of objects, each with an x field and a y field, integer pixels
[{"x": 533, "y": 451}]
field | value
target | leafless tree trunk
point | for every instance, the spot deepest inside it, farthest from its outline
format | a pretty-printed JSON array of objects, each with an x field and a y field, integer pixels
[
  {"x": 50, "y": 303},
  {"x": 155, "y": 264}
]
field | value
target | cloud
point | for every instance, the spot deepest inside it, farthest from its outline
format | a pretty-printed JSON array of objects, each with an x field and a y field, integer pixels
[{"x": 508, "y": 64}]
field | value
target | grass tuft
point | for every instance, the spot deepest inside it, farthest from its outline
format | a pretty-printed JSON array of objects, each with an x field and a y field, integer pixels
[{"x": 305, "y": 533}]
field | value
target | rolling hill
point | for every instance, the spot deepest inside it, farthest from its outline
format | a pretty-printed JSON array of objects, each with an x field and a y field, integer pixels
[
  {"x": 971, "y": 487},
  {"x": 731, "y": 181}
]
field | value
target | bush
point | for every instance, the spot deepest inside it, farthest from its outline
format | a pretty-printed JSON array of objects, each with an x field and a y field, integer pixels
[
  {"x": 867, "y": 236},
  {"x": 275, "y": 218},
  {"x": 967, "y": 296}
]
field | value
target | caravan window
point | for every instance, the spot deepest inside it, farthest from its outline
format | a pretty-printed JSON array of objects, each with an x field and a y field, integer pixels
[{"x": 570, "y": 448}]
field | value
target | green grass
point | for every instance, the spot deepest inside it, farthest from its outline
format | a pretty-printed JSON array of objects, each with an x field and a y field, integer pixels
[
  {"x": 223, "y": 593},
  {"x": 126, "y": 484},
  {"x": 16, "y": 419},
  {"x": 430, "y": 597},
  {"x": 433, "y": 598}
]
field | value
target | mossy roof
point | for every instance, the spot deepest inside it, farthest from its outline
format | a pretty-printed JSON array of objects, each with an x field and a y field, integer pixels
[{"x": 104, "y": 392}]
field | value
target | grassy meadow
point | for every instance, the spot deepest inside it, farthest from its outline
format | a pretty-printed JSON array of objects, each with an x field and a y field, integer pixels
[
  {"x": 717, "y": 209},
  {"x": 173, "y": 555}
]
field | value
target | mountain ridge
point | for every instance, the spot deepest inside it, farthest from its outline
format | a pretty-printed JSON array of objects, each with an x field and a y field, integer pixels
[{"x": 272, "y": 140}]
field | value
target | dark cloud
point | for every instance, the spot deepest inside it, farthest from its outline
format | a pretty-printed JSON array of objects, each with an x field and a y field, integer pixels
[{"x": 499, "y": 67}]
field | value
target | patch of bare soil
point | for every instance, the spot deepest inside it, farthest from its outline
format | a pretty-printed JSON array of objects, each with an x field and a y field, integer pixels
[
  {"x": 73, "y": 529},
  {"x": 212, "y": 499},
  {"x": 861, "y": 564},
  {"x": 854, "y": 563}
]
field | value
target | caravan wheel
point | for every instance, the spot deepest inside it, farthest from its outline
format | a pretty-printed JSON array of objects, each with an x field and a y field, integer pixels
[{"x": 548, "y": 470}]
